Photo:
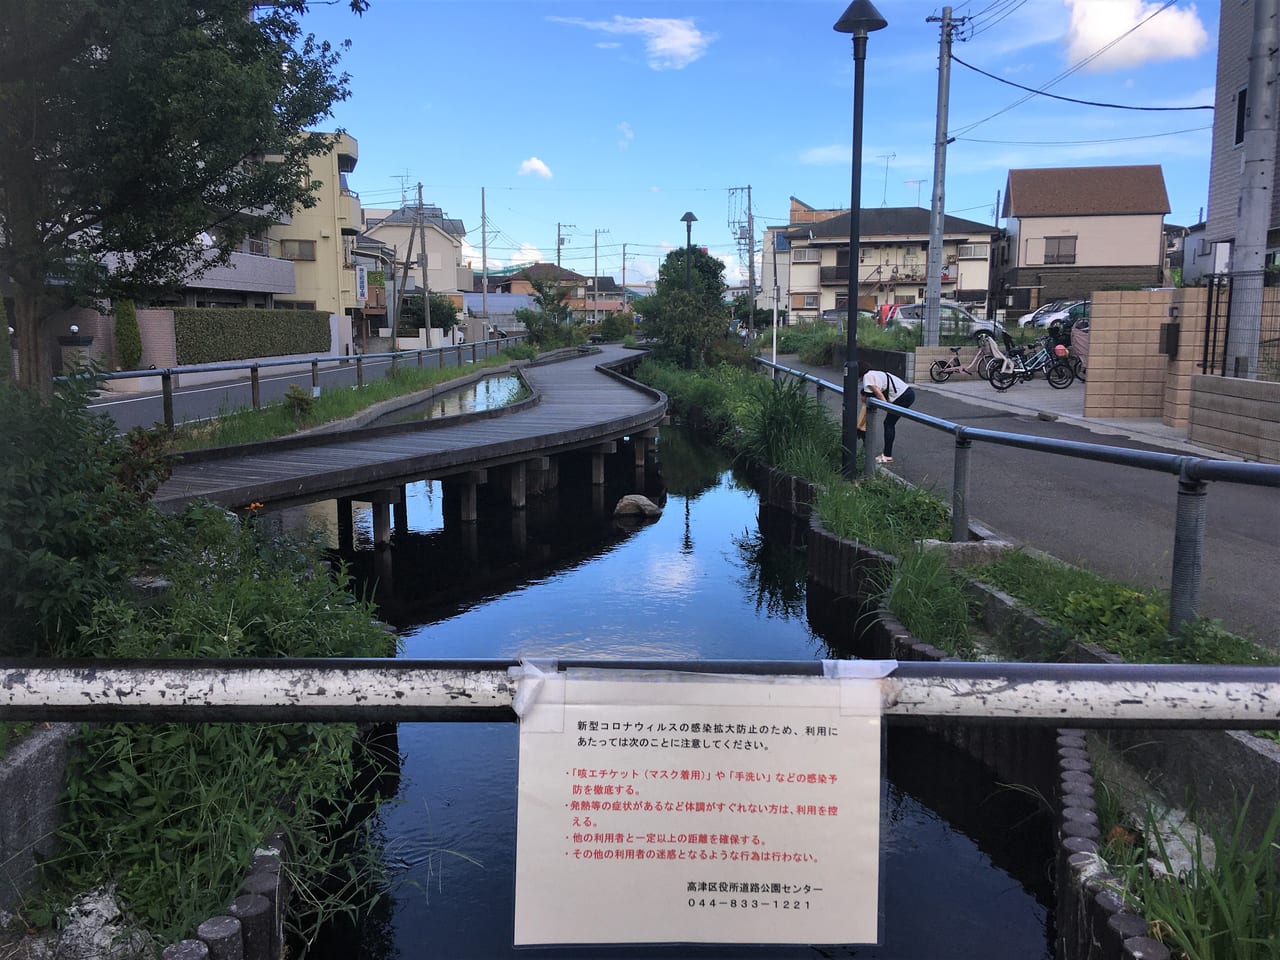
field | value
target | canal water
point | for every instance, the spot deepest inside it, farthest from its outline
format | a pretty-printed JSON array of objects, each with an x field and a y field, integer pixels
[
  {"x": 965, "y": 861},
  {"x": 487, "y": 394}
]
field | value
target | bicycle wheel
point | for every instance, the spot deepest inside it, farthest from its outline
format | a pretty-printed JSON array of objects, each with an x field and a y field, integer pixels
[
  {"x": 1077, "y": 367},
  {"x": 984, "y": 368},
  {"x": 1060, "y": 375},
  {"x": 939, "y": 371},
  {"x": 1001, "y": 379}
]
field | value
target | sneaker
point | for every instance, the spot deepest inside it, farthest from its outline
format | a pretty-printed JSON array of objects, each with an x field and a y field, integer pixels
[{"x": 883, "y": 459}]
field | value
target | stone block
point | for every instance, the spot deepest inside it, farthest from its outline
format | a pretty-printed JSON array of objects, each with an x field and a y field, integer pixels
[{"x": 31, "y": 782}]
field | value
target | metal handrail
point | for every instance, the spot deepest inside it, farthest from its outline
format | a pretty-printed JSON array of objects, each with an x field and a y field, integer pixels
[
  {"x": 166, "y": 374},
  {"x": 1193, "y": 473},
  {"x": 318, "y": 689}
]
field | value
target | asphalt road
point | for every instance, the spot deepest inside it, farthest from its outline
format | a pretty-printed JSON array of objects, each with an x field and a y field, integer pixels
[{"x": 1117, "y": 521}]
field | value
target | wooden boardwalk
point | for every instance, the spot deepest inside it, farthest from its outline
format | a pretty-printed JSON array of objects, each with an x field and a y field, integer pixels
[{"x": 576, "y": 404}]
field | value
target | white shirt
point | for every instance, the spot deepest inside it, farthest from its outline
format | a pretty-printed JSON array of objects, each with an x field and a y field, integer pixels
[{"x": 892, "y": 387}]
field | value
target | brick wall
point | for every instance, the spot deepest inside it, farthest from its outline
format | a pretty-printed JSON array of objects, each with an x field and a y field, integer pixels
[{"x": 159, "y": 346}]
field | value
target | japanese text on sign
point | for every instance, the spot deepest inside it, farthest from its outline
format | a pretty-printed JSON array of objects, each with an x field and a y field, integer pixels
[{"x": 707, "y": 810}]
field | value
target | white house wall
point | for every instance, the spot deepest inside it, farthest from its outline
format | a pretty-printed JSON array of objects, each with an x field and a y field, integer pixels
[{"x": 1112, "y": 241}]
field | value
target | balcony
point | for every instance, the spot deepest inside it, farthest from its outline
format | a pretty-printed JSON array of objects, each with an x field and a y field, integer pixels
[
  {"x": 349, "y": 218},
  {"x": 248, "y": 273}
]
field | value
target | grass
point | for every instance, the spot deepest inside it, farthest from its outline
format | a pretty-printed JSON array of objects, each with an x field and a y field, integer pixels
[
  {"x": 1124, "y": 620},
  {"x": 11, "y": 731},
  {"x": 928, "y": 597},
  {"x": 299, "y": 411},
  {"x": 1226, "y": 910},
  {"x": 883, "y": 513}
]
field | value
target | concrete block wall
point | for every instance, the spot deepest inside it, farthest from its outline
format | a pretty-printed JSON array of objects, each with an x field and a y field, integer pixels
[
  {"x": 1126, "y": 369},
  {"x": 1238, "y": 416},
  {"x": 1191, "y": 303}
]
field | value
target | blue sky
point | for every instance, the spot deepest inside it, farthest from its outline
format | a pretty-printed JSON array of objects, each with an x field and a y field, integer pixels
[{"x": 620, "y": 116}]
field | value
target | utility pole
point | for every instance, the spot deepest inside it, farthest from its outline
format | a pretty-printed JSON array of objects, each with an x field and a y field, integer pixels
[
  {"x": 933, "y": 265},
  {"x": 1248, "y": 256},
  {"x": 560, "y": 243},
  {"x": 595, "y": 279},
  {"x": 484, "y": 265},
  {"x": 624, "y": 276},
  {"x": 751, "y": 269},
  {"x": 422, "y": 258}
]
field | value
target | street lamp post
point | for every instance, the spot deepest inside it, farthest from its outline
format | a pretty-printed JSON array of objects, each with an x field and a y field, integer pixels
[
  {"x": 688, "y": 219},
  {"x": 859, "y": 19}
]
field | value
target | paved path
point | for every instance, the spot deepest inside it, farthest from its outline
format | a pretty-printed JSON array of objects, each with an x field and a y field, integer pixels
[
  {"x": 1115, "y": 520},
  {"x": 577, "y": 406}
]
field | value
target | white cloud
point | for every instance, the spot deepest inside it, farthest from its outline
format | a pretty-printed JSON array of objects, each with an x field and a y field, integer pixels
[
  {"x": 826, "y": 156},
  {"x": 528, "y": 253},
  {"x": 1173, "y": 34},
  {"x": 536, "y": 167},
  {"x": 625, "y": 135},
  {"x": 669, "y": 44}
]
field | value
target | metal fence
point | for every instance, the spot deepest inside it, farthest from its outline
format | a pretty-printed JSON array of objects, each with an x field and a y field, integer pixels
[
  {"x": 1249, "y": 305},
  {"x": 1194, "y": 475},
  {"x": 437, "y": 355}
]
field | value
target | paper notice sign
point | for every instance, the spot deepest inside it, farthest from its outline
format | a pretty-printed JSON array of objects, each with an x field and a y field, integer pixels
[{"x": 669, "y": 808}]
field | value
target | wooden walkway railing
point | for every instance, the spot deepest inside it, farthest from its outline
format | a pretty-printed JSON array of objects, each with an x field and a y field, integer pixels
[{"x": 577, "y": 403}]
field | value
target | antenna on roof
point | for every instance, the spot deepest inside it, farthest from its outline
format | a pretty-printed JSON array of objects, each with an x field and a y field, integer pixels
[{"x": 886, "y": 157}]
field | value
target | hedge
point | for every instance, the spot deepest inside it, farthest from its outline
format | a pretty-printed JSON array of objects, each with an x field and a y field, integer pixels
[{"x": 215, "y": 335}]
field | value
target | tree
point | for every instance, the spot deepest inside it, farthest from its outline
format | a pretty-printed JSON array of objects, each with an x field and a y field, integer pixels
[
  {"x": 444, "y": 315},
  {"x": 129, "y": 130},
  {"x": 686, "y": 321}
]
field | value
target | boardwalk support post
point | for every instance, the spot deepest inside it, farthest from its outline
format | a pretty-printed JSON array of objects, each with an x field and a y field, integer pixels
[
  {"x": 516, "y": 488},
  {"x": 346, "y": 528},
  {"x": 598, "y": 453}
]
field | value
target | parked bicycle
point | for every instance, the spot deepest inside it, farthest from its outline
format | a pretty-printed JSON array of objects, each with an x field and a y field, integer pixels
[
  {"x": 940, "y": 371},
  {"x": 1021, "y": 364}
]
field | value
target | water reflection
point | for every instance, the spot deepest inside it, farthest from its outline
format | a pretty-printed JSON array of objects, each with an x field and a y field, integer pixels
[
  {"x": 488, "y": 394},
  {"x": 712, "y": 579}
]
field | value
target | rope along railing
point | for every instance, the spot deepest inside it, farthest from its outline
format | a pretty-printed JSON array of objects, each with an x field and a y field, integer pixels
[
  {"x": 202, "y": 691},
  {"x": 1194, "y": 475}
]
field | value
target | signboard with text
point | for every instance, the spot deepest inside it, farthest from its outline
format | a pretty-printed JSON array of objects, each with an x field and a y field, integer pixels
[
  {"x": 362, "y": 283},
  {"x": 668, "y": 808}
]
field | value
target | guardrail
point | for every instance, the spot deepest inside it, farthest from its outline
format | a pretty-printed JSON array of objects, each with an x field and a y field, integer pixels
[
  {"x": 1194, "y": 475},
  {"x": 167, "y": 374}
]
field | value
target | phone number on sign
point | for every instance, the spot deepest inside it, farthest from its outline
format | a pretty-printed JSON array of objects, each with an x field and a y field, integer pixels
[{"x": 744, "y": 903}]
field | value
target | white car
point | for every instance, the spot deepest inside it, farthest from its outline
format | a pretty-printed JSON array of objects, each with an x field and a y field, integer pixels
[{"x": 1047, "y": 313}]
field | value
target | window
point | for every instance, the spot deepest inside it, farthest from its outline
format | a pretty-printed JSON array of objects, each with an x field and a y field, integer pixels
[
  {"x": 806, "y": 255},
  {"x": 973, "y": 251},
  {"x": 811, "y": 301},
  {"x": 1242, "y": 113},
  {"x": 1059, "y": 249},
  {"x": 295, "y": 304},
  {"x": 297, "y": 249}
]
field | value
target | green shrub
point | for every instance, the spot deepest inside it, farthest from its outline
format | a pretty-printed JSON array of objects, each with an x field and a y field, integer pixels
[
  {"x": 883, "y": 514},
  {"x": 128, "y": 336},
  {"x": 299, "y": 401},
  {"x": 616, "y": 326},
  {"x": 780, "y": 414},
  {"x": 171, "y": 813},
  {"x": 69, "y": 529}
]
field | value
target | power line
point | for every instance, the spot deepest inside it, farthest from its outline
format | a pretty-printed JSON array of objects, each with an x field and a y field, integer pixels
[
  {"x": 1081, "y": 143},
  {"x": 1070, "y": 70},
  {"x": 1054, "y": 96}
]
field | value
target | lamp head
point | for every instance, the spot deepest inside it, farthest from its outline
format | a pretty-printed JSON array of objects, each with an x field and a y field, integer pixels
[
  {"x": 74, "y": 329},
  {"x": 688, "y": 218},
  {"x": 860, "y": 18}
]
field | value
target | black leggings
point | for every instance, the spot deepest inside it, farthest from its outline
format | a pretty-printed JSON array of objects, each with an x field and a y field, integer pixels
[{"x": 905, "y": 399}]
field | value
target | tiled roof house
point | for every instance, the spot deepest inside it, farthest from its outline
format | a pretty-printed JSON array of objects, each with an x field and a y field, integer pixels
[{"x": 1074, "y": 230}]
